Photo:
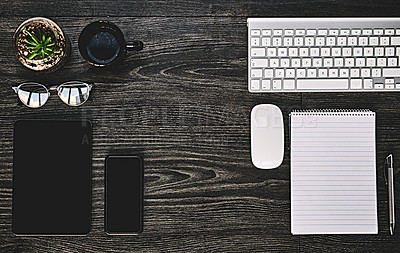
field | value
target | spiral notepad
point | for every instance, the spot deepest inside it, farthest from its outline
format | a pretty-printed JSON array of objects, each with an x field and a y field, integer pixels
[{"x": 333, "y": 172}]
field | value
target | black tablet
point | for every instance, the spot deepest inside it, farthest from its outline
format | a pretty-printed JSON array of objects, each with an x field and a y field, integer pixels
[{"x": 52, "y": 177}]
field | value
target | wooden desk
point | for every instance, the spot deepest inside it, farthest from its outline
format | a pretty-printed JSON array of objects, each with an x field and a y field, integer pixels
[{"x": 182, "y": 103}]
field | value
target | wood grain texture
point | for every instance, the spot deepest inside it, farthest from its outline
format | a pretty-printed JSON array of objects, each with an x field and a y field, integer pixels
[
  {"x": 182, "y": 104},
  {"x": 192, "y": 8}
]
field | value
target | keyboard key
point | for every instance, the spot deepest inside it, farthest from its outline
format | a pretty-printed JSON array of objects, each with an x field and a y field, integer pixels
[
  {"x": 392, "y": 62},
  {"x": 312, "y": 73},
  {"x": 397, "y": 85},
  {"x": 395, "y": 41},
  {"x": 368, "y": 84},
  {"x": 257, "y": 52},
  {"x": 258, "y": 63},
  {"x": 309, "y": 41},
  {"x": 352, "y": 41},
  {"x": 299, "y": 41},
  {"x": 296, "y": 62},
  {"x": 378, "y": 86},
  {"x": 378, "y": 31},
  {"x": 367, "y": 32},
  {"x": 389, "y": 51},
  {"x": 255, "y": 73},
  {"x": 255, "y": 42},
  {"x": 255, "y": 84},
  {"x": 268, "y": 73},
  {"x": 311, "y": 32},
  {"x": 266, "y": 42},
  {"x": 360, "y": 62},
  {"x": 356, "y": 32},
  {"x": 376, "y": 72},
  {"x": 300, "y": 32},
  {"x": 373, "y": 41},
  {"x": 333, "y": 32},
  {"x": 255, "y": 32},
  {"x": 333, "y": 73},
  {"x": 345, "y": 32},
  {"x": 293, "y": 52},
  {"x": 282, "y": 51},
  {"x": 301, "y": 73},
  {"x": 355, "y": 72},
  {"x": 384, "y": 41},
  {"x": 290, "y": 73},
  {"x": 365, "y": 72},
  {"x": 274, "y": 62},
  {"x": 277, "y": 41},
  {"x": 271, "y": 51},
  {"x": 322, "y": 84},
  {"x": 371, "y": 62},
  {"x": 397, "y": 31},
  {"x": 277, "y": 32},
  {"x": 322, "y": 72},
  {"x": 320, "y": 41},
  {"x": 289, "y": 32},
  {"x": 285, "y": 62},
  {"x": 288, "y": 41},
  {"x": 323, "y": 32},
  {"x": 288, "y": 84},
  {"x": 363, "y": 41},
  {"x": 391, "y": 72},
  {"x": 389, "y": 80},
  {"x": 266, "y": 84},
  {"x": 356, "y": 84},
  {"x": 344, "y": 73},
  {"x": 279, "y": 73},
  {"x": 389, "y": 32},
  {"x": 266, "y": 32},
  {"x": 389, "y": 86},
  {"x": 349, "y": 62},
  {"x": 276, "y": 84}
]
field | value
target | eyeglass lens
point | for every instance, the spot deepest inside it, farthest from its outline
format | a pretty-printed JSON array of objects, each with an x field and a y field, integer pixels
[
  {"x": 33, "y": 94},
  {"x": 73, "y": 93}
]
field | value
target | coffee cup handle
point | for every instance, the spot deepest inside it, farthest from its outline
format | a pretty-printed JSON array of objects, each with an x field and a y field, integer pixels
[{"x": 134, "y": 45}]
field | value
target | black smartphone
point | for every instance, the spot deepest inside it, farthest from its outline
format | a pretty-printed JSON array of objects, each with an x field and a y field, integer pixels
[{"x": 123, "y": 195}]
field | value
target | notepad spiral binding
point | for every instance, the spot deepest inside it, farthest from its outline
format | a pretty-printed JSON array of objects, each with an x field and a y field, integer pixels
[{"x": 333, "y": 112}]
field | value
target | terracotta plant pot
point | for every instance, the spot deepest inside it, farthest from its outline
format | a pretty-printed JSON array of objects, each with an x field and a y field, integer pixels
[{"x": 41, "y": 45}]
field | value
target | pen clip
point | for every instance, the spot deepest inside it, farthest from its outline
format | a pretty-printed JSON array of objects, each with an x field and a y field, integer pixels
[{"x": 388, "y": 162}]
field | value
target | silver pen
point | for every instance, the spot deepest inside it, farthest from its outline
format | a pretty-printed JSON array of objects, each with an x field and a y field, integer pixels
[{"x": 390, "y": 184}]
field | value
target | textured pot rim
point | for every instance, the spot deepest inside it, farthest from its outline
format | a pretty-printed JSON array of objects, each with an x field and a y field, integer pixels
[{"x": 53, "y": 26}]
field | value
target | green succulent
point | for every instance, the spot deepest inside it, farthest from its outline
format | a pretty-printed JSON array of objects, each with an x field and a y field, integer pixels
[{"x": 40, "y": 46}]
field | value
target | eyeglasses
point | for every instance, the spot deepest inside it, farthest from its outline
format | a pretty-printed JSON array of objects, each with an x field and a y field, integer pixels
[{"x": 35, "y": 95}]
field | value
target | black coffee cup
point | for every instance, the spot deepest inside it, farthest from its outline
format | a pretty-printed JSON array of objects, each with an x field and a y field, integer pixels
[{"x": 102, "y": 44}]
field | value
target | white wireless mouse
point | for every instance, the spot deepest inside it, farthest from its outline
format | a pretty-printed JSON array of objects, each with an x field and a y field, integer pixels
[{"x": 267, "y": 137}]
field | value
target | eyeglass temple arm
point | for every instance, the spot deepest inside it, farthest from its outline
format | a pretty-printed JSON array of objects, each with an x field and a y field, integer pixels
[{"x": 15, "y": 89}]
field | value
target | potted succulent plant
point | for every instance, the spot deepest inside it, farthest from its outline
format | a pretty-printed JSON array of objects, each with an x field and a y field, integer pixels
[{"x": 41, "y": 45}]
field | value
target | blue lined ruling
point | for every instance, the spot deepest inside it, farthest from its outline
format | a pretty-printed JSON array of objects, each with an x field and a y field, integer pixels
[{"x": 333, "y": 172}]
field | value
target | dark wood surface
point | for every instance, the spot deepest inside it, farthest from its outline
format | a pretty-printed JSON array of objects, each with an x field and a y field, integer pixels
[{"x": 182, "y": 103}]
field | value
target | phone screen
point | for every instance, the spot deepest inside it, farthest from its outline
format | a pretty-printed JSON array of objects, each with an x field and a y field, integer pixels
[{"x": 124, "y": 194}]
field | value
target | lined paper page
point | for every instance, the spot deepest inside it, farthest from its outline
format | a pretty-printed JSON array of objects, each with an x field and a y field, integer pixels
[{"x": 333, "y": 174}]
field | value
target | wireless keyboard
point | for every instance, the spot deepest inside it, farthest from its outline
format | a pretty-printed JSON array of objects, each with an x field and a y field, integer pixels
[{"x": 323, "y": 54}]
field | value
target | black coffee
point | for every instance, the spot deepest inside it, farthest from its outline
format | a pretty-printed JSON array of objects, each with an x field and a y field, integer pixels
[{"x": 103, "y": 48}]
